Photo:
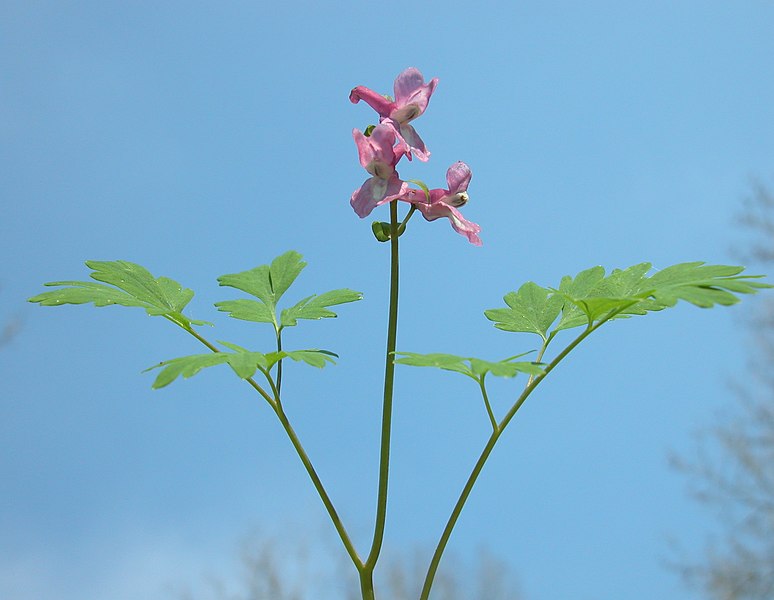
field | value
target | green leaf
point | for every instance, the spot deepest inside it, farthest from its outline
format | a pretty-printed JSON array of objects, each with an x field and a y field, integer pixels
[
  {"x": 633, "y": 292},
  {"x": 267, "y": 283},
  {"x": 284, "y": 271},
  {"x": 129, "y": 285},
  {"x": 187, "y": 366},
  {"x": 531, "y": 310},
  {"x": 579, "y": 287},
  {"x": 592, "y": 296},
  {"x": 315, "y": 307},
  {"x": 315, "y": 358},
  {"x": 247, "y": 310},
  {"x": 243, "y": 362},
  {"x": 475, "y": 368},
  {"x": 702, "y": 285},
  {"x": 447, "y": 362},
  {"x": 505, "y": 368}
]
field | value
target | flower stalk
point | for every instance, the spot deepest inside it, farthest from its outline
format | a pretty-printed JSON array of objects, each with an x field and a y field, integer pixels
[{"x": 366, "y": 573}]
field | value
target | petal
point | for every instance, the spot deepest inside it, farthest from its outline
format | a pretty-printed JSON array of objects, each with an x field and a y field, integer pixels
[
  {"x": 375, "y": 192},
  {"x": 365, "y": 198},
  {"x": 401, "y": 148},
  {"x": 414, "y": 196},
  {"x": 375, "y": 100},
  {"x": 464, "y": 227},
  {"x": 458, "y": 177},
  {"x": 365, "y": 150},
  {"x": 378, "y": 146},
  {"x": 459, "y": 223},
  {"x": 382, "y": 139},
  {"x": 410, "y": 88},
  {"x": 411, "y": 138}
]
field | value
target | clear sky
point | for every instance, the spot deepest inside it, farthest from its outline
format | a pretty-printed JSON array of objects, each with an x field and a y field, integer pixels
[{"x": 203, "y": 138}]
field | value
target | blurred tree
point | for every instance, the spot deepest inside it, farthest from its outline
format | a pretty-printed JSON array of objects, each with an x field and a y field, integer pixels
[
  {"x": 9, "y": 330},
  {"x": 282, "y": 570},
  {"x": 734, "y": 471}
]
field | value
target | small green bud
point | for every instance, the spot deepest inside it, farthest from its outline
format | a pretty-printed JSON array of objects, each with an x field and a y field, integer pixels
[
  {"x": 368, "y": 130},
  {"x": 381, "y": 231}
]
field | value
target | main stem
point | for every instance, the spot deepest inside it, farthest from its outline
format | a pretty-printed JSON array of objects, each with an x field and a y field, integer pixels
[{"x": 366, "y": 573}]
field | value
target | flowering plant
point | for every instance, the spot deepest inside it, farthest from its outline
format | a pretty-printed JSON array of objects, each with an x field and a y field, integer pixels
[{"x": 583, "y": 303}]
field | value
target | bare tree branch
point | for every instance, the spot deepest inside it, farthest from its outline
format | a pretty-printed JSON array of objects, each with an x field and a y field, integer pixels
[
  {"x": 733, "y": 473},
  {"x": 273, "y": 573}
]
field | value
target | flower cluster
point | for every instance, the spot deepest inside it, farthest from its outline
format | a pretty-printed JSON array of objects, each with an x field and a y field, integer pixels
[{"x": 381, "y": 147}]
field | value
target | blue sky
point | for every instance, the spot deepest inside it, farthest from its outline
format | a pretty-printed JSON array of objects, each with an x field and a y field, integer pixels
[{"x": 206, "y": 138}]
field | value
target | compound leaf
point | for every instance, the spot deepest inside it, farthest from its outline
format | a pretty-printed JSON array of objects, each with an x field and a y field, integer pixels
[
  {"x": 702, "y": 285},
  {"x": 447, "y": 362},
  {"x": 592, "y": 296},
  {"x": 126, "y": 284},
  {"x": 268, "y": 282},
  {"x": 575, "y": 288},
  {"x": 475, "y": 368},
  {"x": 314, "y": 357},
  {"x": 243, "y": 362},
  {"x": 530, "y": 310},
  {"x": 186, "y": 366}
]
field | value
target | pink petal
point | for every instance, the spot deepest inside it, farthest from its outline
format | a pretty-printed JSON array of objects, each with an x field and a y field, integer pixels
[
  {"x": 458, "y": 177},
  {"x": 377, "y": 149},
  {"x": 410, "y": 88},
  {"x": 375, "y": 192},
  {"x": 414, "y": 196},
  {"x": 414, "y": 142},
  {"x": 382, "y": 139},
  {"x": 464, "y": 227},
  {"x": 401, "y": 148},
  {"x": 459, "y": 223},
  {"x": 365, "y": 151}
]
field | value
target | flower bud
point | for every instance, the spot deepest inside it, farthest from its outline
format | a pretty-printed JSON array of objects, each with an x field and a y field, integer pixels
[{"x": 381, "y": 231}]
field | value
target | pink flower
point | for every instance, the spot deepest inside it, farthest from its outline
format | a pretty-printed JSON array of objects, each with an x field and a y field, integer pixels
[
  {"x": 412, "y": 95},
  {"x": 444, "y": 203},
  {"x": 378, "y": 155}
]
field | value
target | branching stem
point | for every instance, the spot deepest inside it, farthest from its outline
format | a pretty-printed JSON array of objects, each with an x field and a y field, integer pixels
[
  {"x": 285, "y": 422},
  {"x": 490, "y": 444}
]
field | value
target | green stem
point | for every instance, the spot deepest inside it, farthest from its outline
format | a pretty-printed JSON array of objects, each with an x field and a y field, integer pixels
[
  {"x": 439, "y": 550},
  {"x": 367, "y": 584},
  {"x": 402, "y": 226},
  {"x": 272, "y": 402},
  {"x": 540, "y": 354},
  {"x": 366, "y": 574},
  {"x": 278, "y": 387},
  {"x": 334, "y": 516},
  {"x": 279, "y": 364},
  {"x": 488, "y": 405},
  {"x": 277, "y": 407}
]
